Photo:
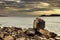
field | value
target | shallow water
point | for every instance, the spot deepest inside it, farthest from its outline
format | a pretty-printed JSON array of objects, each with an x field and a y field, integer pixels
[{"x": 52, "y": 23}]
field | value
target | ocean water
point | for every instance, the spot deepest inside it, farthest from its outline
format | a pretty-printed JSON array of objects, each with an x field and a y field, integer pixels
[{"x": 52, "y": 23}]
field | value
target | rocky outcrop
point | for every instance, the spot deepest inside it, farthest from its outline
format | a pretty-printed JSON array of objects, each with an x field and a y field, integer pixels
[
  {"x": 28, "y": 34},
  {"x": 39, "y": 25}
]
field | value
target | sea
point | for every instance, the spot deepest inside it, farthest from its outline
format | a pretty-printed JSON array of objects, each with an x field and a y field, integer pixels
[{"x": 51, "y": 23}]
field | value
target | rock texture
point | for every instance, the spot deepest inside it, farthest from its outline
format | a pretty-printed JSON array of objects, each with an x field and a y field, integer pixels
[{"x": 38, "y": 23}]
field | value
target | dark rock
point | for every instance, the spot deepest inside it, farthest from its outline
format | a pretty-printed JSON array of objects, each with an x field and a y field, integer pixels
[
  {"x": 1, "y": 38},
  {"x": 30, "y": 32},
  {"x": 37, "y": 32},
  {"x": 53, "y": 35},
  {"x": 38, "y": 23}
]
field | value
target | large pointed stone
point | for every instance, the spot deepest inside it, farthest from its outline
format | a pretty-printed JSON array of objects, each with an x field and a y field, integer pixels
[{"x": 39, "y": 23}]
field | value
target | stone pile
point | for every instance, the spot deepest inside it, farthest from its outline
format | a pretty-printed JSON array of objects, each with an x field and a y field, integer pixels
[{"x": 38, "y": 32}]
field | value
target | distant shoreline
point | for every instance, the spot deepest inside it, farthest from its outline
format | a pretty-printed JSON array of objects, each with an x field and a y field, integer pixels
[
  {"x": 29, "y": 16},
  {"x": 49, "y": 16}
]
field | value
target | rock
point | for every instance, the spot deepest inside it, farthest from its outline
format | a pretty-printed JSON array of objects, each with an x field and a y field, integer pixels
[
  {"x": 44, "y": 32},
  {"x": 38, "y": 23},
  {"x": 1, "y": 38},
  {"x": 8, "y": 38},
  {"x": 53, "y": 35},
  {"x": 47, "y": 34},
  {"x": 20, "y": 38},
  {"x": 57, "y": 38},
  {"x": 1, "y": 35},
  {"x": 30, "y": 32},
  {"x": 51, "y": 39}
]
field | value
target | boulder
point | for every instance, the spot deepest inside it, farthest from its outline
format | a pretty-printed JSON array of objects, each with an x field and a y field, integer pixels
[
  {"x": 39, "y": 23},
  {"x": 46, "y": 33}
]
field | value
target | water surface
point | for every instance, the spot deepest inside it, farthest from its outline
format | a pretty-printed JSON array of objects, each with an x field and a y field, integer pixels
[{"x": 52, "y": 23}]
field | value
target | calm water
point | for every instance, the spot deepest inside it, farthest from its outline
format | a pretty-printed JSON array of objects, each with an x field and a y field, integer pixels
[{"x": 52, "y": 23}]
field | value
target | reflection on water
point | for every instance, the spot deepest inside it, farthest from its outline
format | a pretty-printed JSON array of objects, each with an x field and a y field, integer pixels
[{"x": 52, "y": 23}]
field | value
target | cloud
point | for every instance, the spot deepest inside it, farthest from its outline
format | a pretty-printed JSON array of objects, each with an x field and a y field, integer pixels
[{"x": 52, "y": 3}]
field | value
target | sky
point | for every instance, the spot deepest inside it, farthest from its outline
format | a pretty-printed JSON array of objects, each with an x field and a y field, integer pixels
[{"x": 38, "y": 7}]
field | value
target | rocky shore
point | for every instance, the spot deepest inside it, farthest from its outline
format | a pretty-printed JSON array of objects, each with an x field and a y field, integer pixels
[{"x": 38, "y": 32}]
